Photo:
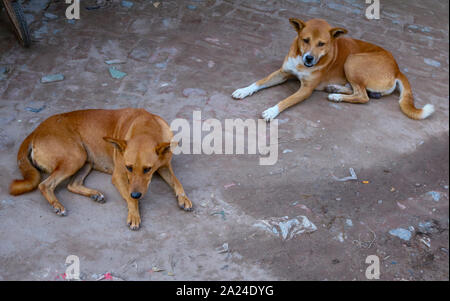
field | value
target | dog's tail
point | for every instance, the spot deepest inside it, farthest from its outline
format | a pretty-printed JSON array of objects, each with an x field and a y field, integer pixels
[
  {"x": 407, "y": 101},
  {"x": 31, "y": 176}
]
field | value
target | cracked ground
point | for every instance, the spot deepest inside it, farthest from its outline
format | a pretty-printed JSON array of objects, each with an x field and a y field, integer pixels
[{"x": 191, "y": 55}]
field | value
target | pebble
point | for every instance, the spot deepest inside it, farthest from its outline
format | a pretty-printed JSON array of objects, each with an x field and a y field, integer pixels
[{"x": 401, "y": 233}]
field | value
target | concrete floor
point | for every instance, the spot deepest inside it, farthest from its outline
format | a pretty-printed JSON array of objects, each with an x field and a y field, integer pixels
[{"x": 216, "y": 46}]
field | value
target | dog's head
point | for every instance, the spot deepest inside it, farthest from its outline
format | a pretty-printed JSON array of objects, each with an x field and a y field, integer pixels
[
  {"x": 139, "y": 158},
  {"x": 315, "y": 39}
]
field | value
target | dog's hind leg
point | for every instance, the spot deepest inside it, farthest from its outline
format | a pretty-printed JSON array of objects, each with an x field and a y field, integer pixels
[
  {"x": 63, "y": 171},
  {"x": 167, "y": 174},
  {"x": 347, "y": 89},
  {"x": 76, "y": 185},
  {"x": 276, "y": 78},
  {"x": 359, "y": 96}
]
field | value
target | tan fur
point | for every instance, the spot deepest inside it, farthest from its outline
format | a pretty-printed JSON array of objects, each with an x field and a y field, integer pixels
[
  {"x": 130, "y": 144},
  {"x": 339, "y": 61}
]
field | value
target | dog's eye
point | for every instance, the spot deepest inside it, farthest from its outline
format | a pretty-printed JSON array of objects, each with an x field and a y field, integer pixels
[
  {"x": 320, "y": 44},
  {"x": 129, "y": 168},
  {"x": 147, "y": 169},
  {"x": 306, "y": 41}
]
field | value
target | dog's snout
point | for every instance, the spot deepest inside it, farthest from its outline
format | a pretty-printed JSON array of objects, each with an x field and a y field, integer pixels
[
  {"x": 136, "y": 195},
  {"x": 309, "y": 58}
]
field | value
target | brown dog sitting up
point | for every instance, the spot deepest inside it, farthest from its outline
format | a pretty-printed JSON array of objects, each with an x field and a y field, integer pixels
[{"x": 130, "y": 144}]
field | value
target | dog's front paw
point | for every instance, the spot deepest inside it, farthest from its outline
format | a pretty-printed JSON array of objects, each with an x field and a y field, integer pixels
[
  {"x": 244, "y": 92},
  {"x": 184, "y": 203},
  {"x": 271, "y": 113},
  {"x": 133, "y": 220},
  {"x": 59, "y": 209},
  {"x": 100, "y": 198},
  {"x": 335, "y": 97}
]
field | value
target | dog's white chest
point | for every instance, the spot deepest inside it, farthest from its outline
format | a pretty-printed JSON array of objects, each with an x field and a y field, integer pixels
[{"x": 291, "y": 64}]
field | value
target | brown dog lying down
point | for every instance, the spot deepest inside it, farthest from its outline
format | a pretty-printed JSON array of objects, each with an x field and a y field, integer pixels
[
  {"x": 350, "y": 69},
  {"x": 130, "y": 144}
]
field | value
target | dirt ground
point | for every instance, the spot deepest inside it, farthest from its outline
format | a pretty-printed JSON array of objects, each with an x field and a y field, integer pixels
[{"x": 191, "y": 55}]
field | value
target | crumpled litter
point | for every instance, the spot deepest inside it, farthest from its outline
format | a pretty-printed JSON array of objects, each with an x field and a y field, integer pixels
[
  {"x": 352, "y": 177},
  {"x": 286, "y": 228}
]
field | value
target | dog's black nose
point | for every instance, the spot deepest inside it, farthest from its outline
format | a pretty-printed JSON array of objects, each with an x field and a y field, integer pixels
[
  {"x": 136, "y": 195},
  {"x": 309, "y": 58}
]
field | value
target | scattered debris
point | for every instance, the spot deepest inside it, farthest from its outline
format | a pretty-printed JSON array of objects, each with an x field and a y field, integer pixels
[
  {"x": 401, "y": 233},
  {"x": 117, "y": 74},
  {"x": 287, "y": 151},
  {"x": 349, "y": 222},
  {"x": 157, "y": 269},
  {"x": 365, "y": 244},
  {"x": 432, "y": 62},
  {"x": 108, "y": 276},
  {"x": 435, "y": 195},
  {"x": 429, "y": 227},
  {"x": 341, "y": 237},
  {"x": 61, "y": 276},
  {"x": 401, "y": 206},
  {"x": 303, "y": 207},
  {"x": 392, "y": 189},
  {"x": 7, "y": 202},
  {"x": 365, "y": 182},
  {"x": 223, "y": 249},
  {"x": 4, "y": 70},
  {"x": 127, "y": 4},
  {"x": 52, "y": 78},
  {"x": 93, "y": 7},
  {"x": 222, "y": 213},
  {"x": 162, "y": 65},
  {"x": 156, "y": 4},
  {"x": 50, "y": 16},
  {"x": 35, "y": 110},
  {"x": 287, "y": 228},
  {"x": 115, "y": 61},
  {"x": 229, "y": 185},
  {"x": 352, "y": 177},
  {"x": 426, "y": 241},
  {"x": 170, "y": 274}
]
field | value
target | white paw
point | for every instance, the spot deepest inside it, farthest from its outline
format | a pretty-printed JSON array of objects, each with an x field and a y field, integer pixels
[
  {"x": 271, "y": 113},
  {"x": 335, "y": 97},
  {"x": 244, "y": 92}
]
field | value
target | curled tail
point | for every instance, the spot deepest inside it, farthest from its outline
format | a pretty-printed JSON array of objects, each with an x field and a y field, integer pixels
[
  {"x": 31, "y": 176},
  {"x": 407, "y": 101}
]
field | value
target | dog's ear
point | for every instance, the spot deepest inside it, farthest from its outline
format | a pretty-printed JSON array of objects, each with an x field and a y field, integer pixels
[
  {"x": 119, "y": 144},
  {"x": 297, "y": 24},
  {"x": 162, "y": 148},
  {"x": 337, "y": 31}
]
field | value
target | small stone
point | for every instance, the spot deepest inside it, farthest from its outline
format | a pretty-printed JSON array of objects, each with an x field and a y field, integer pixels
[
  {"x": 401, "y": 233},
  {"x": 127, "y": 4},
  {"x": 52, "y": 78}
]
